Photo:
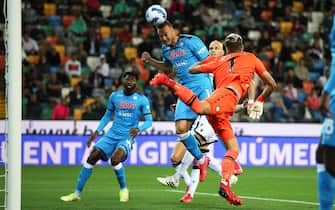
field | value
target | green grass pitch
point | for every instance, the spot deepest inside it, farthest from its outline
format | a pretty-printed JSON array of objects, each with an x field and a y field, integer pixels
[{"x": 260, "y": 188}]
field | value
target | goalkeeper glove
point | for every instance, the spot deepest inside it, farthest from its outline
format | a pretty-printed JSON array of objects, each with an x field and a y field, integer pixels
[{"x": 256, "y": 110}]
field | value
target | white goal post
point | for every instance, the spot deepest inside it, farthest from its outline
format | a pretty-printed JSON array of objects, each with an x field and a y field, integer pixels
[{"x": 14, "y": 109}]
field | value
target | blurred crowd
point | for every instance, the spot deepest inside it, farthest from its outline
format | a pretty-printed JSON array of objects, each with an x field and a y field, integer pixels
[{"x": 74, "y": 52}]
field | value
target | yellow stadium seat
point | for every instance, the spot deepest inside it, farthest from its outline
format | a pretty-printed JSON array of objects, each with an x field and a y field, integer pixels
[
  {"x": 49, "y": 9},
  {"x": 285, "y": 27},
  {"x": 297, "y": 6},
  {"x": 88, "y": 102},
  {"x": 78, "y": 113},
  {"x": 105, "y": 31},
  {"x": 130, "y": 52},
  {"x": 74, "y": 81},
  {"x": 33, "y": 59},
  {"x": 297, "y": 56},
  {"x": 60, "y": 49},
  {"x": 276, "y": 46}
]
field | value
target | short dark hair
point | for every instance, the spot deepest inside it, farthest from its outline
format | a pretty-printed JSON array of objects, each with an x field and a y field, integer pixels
[
  {"x": 160, "y": 26},
  {"x": 233, "y": 42},
  {"x": 132, "y": 72}
]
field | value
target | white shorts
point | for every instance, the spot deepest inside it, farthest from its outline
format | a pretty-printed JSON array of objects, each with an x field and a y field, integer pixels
[{"x": 202, "y": 127}]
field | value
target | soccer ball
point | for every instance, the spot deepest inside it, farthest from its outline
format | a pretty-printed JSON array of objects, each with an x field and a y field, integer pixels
[{"x": 156, "y": 14}]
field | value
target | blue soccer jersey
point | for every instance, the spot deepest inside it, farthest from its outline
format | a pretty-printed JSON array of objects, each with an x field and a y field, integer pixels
[
  {"x": 330, "y": 85},
  {"x": 187, "y": 51},
  {"x": 127, "y": 113}
]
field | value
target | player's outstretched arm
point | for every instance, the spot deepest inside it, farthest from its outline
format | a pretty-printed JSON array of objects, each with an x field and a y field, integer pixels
[{"x": 166, "y": 68}]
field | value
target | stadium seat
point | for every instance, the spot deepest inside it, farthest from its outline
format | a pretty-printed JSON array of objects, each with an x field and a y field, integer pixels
[
  {"x": 312, "y": 27},
  {"x": 285, "y": 27},
  {"x": 297, "y": 6},
  {"x": 301, "y": 96},
  {"x": 52, "y": 39},
  {"x": 48, "y": 30},
  {"x": 74, "y": 81},
  {"x": 67, "y": 20},
  {"x": 317, "y": 17},
  {"x": 92, "y": 61},
  {"x": 54, "y": 20},
  {"x": 33, "y": 59},
  {"x": 266, "y": 15},
  {"x": 307, "y": 86},
  {"x": 46, "y": 113},
  {"x": 86, "y": 70},
  {"x": 254, "y": 35},
  {"x": 77, "y": 113},
  {"x": 106, "y": 10},
  {"x": 105, "y": 31},
  {"x": 130, "y": 52},
  {"x": 297, "y": 56},
  {"x": 49, "y": 9},
  {"x": 88, "y": 102},
  {"x": 63, "y": 59},
  {"x": 277, "y": 46},
  {"x": 60, "y": 49}
]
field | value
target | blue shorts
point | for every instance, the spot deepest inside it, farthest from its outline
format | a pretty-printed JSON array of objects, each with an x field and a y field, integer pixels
[
  {"x": 328, "y": 132},
  {"x": 184, "y": 112},
  {"x": 108, "y": 145}
]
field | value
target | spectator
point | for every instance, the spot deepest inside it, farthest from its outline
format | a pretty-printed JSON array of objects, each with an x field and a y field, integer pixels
[
  {"x": 76, "y": 97},
  {"x": 62, "y": 110},
  {"x": 34, "y": 108},
  {"x": 313, "y": 104},
  {"x": 29, "y": 44},
  {"x": 73, "y": 66}
]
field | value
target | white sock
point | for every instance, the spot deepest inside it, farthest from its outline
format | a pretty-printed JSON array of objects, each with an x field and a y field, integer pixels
[
  {"x": 214, "y": 164},
  {"x": 181, "y": 169},
  {"x": 194, "y": 181}
]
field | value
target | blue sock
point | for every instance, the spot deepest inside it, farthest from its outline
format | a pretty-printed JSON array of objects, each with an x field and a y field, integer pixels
[
  {"x": 326, "y": 190},
  {"x": 120, "y": 175},
  {"x": 84, "y": 175},
  {"x": 191, "y": 144}
]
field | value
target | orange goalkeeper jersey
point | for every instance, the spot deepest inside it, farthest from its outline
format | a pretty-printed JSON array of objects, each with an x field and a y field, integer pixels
[{"x": 233, "y": 67}]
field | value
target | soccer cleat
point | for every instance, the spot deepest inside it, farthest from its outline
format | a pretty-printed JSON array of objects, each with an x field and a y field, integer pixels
[
  {"x": 203, "y": 169},
  {"x": 226, "y": 192},
  {"x": 70, "y": 197},
  {"x": 124, "y": 195},
  {"x": 170, "y": 181},
  {"x": 187, "y": 198},
  {"x": 162, "y": 79},
  {"x": 237, "y": 169}
]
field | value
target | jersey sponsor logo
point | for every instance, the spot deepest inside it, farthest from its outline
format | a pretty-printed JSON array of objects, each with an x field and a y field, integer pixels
[
  {"x": 179, "y": 64},
  {"x": 126, "y": 105},
  {"x": 177, "y": 53}
]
